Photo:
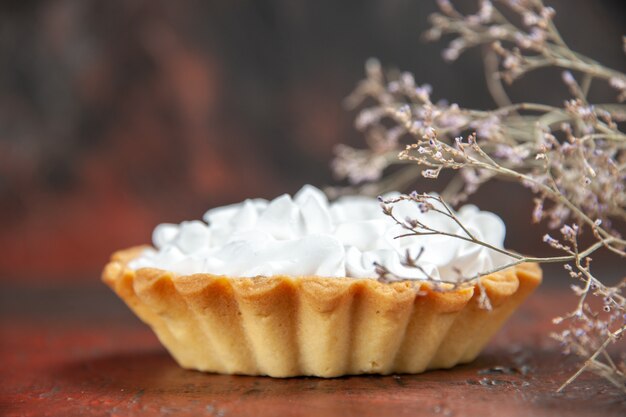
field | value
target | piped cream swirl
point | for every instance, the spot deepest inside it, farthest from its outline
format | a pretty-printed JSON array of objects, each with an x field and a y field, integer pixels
[{"x": 306, "y": 235}]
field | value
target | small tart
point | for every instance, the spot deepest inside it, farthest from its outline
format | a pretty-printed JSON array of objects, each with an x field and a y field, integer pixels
[{"x": 285, "y": 326}]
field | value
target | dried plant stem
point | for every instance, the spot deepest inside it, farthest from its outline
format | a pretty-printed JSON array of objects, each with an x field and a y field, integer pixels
[
  {"x": 549, "y": 191},
  {"x": 572, "y": 157},
  {"x": 493, "y": 80},
  {"x": 604, "y": 370},
  {"x": 421, "y": 229}
]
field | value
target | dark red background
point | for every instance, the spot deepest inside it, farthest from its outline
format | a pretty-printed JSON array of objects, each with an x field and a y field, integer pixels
[{"x": 118, "y": 115}]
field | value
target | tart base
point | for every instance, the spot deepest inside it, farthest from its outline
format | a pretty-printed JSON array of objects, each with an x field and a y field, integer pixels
[{"x": 283, "y": 326}]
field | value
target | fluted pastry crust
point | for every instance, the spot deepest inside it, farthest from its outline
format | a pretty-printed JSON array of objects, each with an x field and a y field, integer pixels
[{"x": 285, "y": 326}]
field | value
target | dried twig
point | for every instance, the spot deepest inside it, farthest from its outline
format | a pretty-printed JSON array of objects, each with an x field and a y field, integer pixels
[{"x": 573, "y": 157}]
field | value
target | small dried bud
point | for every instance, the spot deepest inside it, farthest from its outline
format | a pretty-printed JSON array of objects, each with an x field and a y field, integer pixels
[
  {"x": 431, "y": 173},
  {"x": 403, "y": 113},
  {"x": 423, "y": 93},
  {"x": 529, "y": 18},
  {"x": 538, "y": 210},
  {"x": 569, "y": 232},
  {"x": 486, "y": 11},
  {"x": 568, "y": 78},
  {"x": 522, "y": 41},
  {"x": 408, "y": 80},
  {"x": 617, "y": 83},
  {"x": 432, "y": 34},
  {"x": 373, "y": 69},
  {"x": 411, "y": 223},
  {"x": 430, "y": 133},
  {"x": 548, "y": 13},
  {"x": 450, "y": 54},
  {"x": 445, "y": 6}
]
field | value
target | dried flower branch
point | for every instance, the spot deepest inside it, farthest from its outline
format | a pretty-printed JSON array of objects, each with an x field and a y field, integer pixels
[{"x": 573, "y": 158}]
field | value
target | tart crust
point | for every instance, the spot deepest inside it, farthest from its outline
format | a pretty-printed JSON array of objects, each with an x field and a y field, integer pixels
[{"x": 285, "y": 326}]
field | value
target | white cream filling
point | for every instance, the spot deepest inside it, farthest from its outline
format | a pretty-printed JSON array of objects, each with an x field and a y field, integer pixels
[{"x": 306, "y": 235}]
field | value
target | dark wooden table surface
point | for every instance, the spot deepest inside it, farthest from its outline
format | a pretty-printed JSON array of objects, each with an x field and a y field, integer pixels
[{"x": 80, "y": 352}]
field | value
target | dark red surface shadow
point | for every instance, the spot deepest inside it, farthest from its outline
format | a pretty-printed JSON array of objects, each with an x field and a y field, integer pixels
[
  {"x": 62, "y": 364},
  {"x": 151, "y": 382}
]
